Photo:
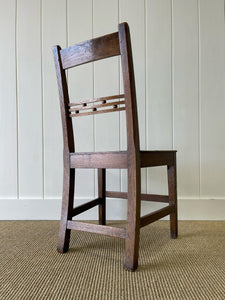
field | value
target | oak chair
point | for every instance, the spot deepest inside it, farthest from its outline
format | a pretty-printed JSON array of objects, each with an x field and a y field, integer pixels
[{"x": 133, "y": 159}]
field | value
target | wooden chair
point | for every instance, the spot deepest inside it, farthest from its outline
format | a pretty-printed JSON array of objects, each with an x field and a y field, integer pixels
[{"x": 133, "y": 159}]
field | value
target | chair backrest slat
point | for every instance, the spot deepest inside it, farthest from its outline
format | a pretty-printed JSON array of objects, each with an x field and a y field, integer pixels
[
  {"x": 91, "y": 50},
  {"x": 85, "y": 107},
  {"x": 95, "y": 111},
  {"x": 97, "y": 100}
]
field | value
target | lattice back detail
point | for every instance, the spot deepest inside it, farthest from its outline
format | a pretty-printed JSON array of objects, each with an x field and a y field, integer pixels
[{"x": 97, "y": 106}]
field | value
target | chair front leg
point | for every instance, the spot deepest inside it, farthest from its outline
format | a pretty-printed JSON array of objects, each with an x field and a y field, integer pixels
[
  {"x": 101, "y": 194},
  {"x": 67, "y": 209},
  {"x": 172, "y": 187},
  {"x": 133, "y": 219}
]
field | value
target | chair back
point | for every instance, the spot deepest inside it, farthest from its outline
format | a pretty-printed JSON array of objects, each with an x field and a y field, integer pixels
[{"x": 114, "y": 44}]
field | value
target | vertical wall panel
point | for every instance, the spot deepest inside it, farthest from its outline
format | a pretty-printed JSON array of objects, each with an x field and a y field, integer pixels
[
  {"x": 178, "y": 50},
  {"x": 81, "y": 88},
  {"x": 212, "y": 93},
  {"x": 106, "y": 79},
  {"x": 106, "y": 82},
  {"x": 133, "y": 12},
  {"x": 53, "y": 33},
  {"x": 29, "y": 98},
  {"x": 8, "y": 105},
  {"x": 159, "y": 86},
  {"x": 186, "y": 112}
]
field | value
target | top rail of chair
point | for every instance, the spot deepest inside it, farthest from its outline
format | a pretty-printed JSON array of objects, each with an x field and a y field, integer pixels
[{"x": 91, "y": 50}]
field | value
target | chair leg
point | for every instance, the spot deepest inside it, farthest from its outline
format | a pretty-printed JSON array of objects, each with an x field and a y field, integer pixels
[
  {"x": 67, "y": 209},
  {"x": 172, "y": 186},
  {"x": 101, "y": 194},
  {"x": 133, "y": 220}
]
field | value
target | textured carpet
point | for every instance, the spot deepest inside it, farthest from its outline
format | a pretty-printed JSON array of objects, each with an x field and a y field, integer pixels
[{"x": 191, "y": 267}]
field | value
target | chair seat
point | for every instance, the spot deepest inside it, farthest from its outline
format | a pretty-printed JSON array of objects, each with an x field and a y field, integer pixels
[
  {"x": 98, "y": 160},
  {"x": 156, "y": 158},
  {"x": 118, "y": 159}
]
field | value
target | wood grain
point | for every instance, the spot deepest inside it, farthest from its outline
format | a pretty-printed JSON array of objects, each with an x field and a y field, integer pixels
[
  {"x": 156, "y": 158},
  {"x": 92, "y": 50},
  {"x": 101, "y": 195},
  {"x": 96, "y": 112},
  {"x": 172, "y": 188},
  {"x": 100, "y": 229},
  {"x": 84, "y": 207},
  {"x": 83, "y": 108},
  {"x": 132, "y": 159},
  {"x": 97, "y": 99},
  {"x": 111, "y": 160},
  {"x": 144, "y": 197},
  {"x": 156, "y": 215}
]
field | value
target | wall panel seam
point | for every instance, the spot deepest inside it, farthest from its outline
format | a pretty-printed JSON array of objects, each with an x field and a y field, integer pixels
[
  {"x": 146, "y": 114},
  {"x": 42, "y": 97},
  {"x": 93, "y": 91},
  {"x": 67, "y": 37},
  {"x": 172, "y": 73},
  {"x": 199, "y": 98},
  {"x": 17, "y": 105},
  {"x": 119, "y": 125}
]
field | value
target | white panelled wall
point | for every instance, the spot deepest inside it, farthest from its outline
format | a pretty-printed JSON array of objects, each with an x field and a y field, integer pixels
[{"x": 179, "y": 61}]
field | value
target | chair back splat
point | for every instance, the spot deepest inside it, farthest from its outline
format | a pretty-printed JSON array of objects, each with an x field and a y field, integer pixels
[{"x": 113, "y": 44}]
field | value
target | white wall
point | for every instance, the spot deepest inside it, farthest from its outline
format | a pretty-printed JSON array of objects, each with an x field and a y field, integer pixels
[{"x": 178, "y": 48}]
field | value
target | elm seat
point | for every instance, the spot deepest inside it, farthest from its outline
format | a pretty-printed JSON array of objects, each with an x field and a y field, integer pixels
[{"x": 114, "y": 44}]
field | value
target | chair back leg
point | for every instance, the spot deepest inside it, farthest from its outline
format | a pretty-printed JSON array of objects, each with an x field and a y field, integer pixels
[
  {"x": 172, "y": 187},
  {"x": 101, "y": 194},
  {"x": 133, "y": 219},
  {"x": 67, "y": 209}
]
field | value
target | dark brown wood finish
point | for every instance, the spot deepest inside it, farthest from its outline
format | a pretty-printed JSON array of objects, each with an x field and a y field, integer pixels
[
  {"x": 156, "y": 158},
  {"x": 133, "y": 159},
  {"x": 68, "y": 147},
  {"x": 104, "y": 160},
  {"x": 100, "y": 229},
  {"x": 144, "y": 197},
  {"x": 83, "y": 108},
  {"x": 95, "y": 112},
  {"x": 133, "y": 148},
  {"x": 101, "y": 195},
  {"x": 100, "y": 99},
  {"x": 84, "y": 207},
  {"x": 154, "y": 216},
  {"x": 172, "y": 187},
  {"x": 92, "y": 50}
]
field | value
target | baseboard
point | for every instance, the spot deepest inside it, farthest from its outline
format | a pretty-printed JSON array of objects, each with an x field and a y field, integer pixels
[{"x": 49, "y": 209}]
